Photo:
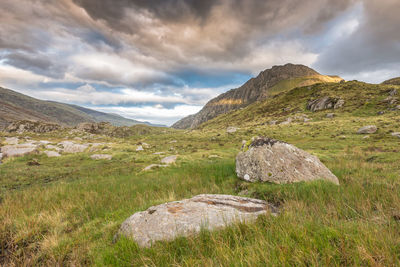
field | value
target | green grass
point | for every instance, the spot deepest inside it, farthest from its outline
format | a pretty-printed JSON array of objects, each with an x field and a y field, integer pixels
[{"x": 67, "y": 210}]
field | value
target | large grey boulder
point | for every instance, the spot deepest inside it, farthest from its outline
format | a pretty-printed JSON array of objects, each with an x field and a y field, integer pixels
[
  {"x": 369, "y": 129},
  {"x": 325, "y": 102},
  {"x": 269, "y": 160},
  {"x": 18, "y": 150},
  {"x": 168, "y": 221}
]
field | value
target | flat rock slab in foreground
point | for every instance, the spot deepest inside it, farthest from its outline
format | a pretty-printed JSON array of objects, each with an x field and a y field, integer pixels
[
  {"x": 168, "y": 221},
  {"x": 269, "y": 160}
]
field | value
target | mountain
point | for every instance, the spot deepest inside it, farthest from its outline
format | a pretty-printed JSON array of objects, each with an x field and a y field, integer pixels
[
  {"x": 16, "y": 106},
  {"x": 394, "y": 81},
  {"x": 269, "y": 82}
]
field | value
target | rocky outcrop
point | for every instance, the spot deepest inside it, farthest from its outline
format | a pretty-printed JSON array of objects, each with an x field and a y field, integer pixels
[
  {"x": 95, "y": 128},
  {"x": 253, "y": 90},
  {"x": 269, "y": 160},
  {"x": 168, "y": 221},
  {"x": 32, "y": 126},
  {"x": 369, "y": 129},
  {"x": 394, "y": 81},
  {"x": 325, "y": 102}
]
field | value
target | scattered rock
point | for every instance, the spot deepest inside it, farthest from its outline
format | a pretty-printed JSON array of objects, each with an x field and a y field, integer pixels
[
  {"x": 56, "y": 148},
  {"x": 139, "y": 148},
  {"x": 101, "y": 156},
  {"x": 168, "y": 221},
  {"x": 325, "y": 102},
  {"x": 152, "y": 166},
  {"x": 169, "y": 160},
  {"x": 270, "y": 160},
  {"x": 366, "y": 137},
  {"x": 273, "y": 122},
  {"x": 51, "y": 154},
  {"x": 330, "y": 115},
  {"x": 369, "y": 129},
  {"x": 71, "y": 147},
  {"x": 11, "y": 141},
  {"x": 78, "y": 138},
  {"x": 396, "y": 134},
  {"x": 398, "y": 107},
  {"x": 18, "y": 150},
  {"x": 231, "y": 129},
  {"x": 393, "y": 92},
  {"x": 390, "y": 100},
  {"x": 286, "y": 122},
  {"x": 158, "y": 153},
  {"x": 381, "y": 112},
  {"x": 145, "y": 145},
  {"x": 214, "y": 157},
  {"x": 173, "y": 141}
]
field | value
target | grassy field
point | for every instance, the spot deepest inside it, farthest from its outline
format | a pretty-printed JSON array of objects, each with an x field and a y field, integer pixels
[{"x": 66, "y": 210}]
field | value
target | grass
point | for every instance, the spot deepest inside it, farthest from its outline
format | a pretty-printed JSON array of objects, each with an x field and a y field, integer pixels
[{"x": 67, "y": 210}]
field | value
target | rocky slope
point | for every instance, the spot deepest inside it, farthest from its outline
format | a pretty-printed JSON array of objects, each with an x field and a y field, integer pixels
[
  {"x": 268, "y": 82},
  {"x": 16, "y": 107}
]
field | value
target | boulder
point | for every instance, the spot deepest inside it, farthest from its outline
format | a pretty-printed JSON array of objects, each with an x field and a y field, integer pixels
[
  {"x": 325, "y": 102},
  {"x": 187, "y": 217},
  {"x": 169, "y": 160},
  {"x": 270, "y": 160},
  {"x": 369, "y": 129},
  {"x": 139, "y": 148},
  {"x": 231, "y": 129},
  {"x": 393, "y": 92},
  {"x": 11, "y": 141},
  {"x": 51, "y": 154},
  {"x": 56, "y": 148},
  {"x": 71, "y": 147},
  {"x": 18, "y": 150},
  {"x": 101, "y": 156}
]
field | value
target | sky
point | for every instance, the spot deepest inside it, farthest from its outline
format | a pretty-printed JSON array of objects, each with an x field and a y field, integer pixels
[{"x": 161, "y": 60}]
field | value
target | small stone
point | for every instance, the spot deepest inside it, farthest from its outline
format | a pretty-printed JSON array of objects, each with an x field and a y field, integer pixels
[
  {"x": 101, "y": 156},
  {"x": 330, "y": 115},
  {"x": 169, "y": 159},
  {"x": 51, "y": 154},
  {"x": 231, "y": 129},
  {"x": 369, "y": 129},
  {"x": 139, "y": 148}
]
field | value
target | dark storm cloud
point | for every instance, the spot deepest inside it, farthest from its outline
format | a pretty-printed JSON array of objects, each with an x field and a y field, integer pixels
[{"x": 374, "y": 45}]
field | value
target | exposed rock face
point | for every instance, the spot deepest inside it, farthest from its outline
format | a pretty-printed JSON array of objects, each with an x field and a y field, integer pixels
[
  {"x": 168, "y": 221},
  {"x": 253, "y": 90},
  {"x": 269, "y": 160},
  {"x": 325, "y": 102},
  {"x": 32, "y": 126},
  {"x": 18, "y": 150},
  {"x": 95, "y": 128},
  {"x": 369, "y": 129},
  {"x": 101, "y": 156}
]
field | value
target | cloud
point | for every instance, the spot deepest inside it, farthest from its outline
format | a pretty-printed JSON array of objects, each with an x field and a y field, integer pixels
[{"x": 165, "y": 53}]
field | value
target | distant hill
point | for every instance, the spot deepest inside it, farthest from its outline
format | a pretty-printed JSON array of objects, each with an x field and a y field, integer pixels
[
  {"x": 268, "y": 83},
  {"x": 394, "y": 81},
  {"x": 16, "y": 106}
]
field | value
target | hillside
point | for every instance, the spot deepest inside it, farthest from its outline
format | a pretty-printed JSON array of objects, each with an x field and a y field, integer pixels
[
  {"x": 15, "y": 107},
  {"x": 394, "y": 81},
  {"x": 360, "y": 99},
  {"x": 266, "y": 84}
]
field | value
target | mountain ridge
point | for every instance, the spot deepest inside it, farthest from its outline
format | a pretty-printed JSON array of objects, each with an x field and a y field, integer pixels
[
  {"x": 255, "y": 89},
  {"x": 15, "y": 106}
]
